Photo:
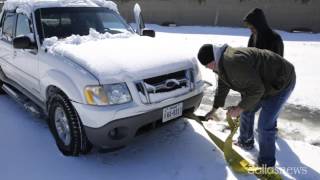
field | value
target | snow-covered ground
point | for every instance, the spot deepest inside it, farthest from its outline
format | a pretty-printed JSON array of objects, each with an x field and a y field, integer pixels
[{"x": 181, "y": 149}]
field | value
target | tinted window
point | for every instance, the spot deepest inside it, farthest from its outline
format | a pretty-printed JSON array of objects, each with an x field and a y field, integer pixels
[
  {"x": 110, "y": 21},
  {"x": 23, "y": 26},
  {"x": 8, "y": 25},
  {"x": 64, "y": 22}
]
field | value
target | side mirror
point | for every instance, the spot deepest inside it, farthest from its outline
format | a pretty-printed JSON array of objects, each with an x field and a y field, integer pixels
[
  {"x": 148, "y": 32},
  {"x": 23, "y": 42},
  {"x": 139, "y": 19}
]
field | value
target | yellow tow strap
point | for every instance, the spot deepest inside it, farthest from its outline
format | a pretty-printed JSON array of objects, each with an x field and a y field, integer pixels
[{"x": 237, "y": 163}]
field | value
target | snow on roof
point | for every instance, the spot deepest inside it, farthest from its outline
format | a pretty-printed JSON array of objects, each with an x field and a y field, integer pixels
[{"x": 27, "y": 6}]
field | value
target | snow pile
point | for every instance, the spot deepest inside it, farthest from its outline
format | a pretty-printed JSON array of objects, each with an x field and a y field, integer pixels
[
  {"x": 27, "y": 6},
  {"x": 121, "y": 56},
  {"x": 52, "y": 43}
]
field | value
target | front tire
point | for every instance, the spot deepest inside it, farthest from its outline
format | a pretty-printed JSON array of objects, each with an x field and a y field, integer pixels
[{"x": 66, "y": 127}]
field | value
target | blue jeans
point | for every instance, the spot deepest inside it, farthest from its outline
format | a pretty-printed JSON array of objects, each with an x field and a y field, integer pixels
[{"x": 270, "y": 110}]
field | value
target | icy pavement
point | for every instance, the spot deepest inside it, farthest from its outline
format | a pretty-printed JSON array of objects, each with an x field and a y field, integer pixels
[{"x": 295, "y": 123}]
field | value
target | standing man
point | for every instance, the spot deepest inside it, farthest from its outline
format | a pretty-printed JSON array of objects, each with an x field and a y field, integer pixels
[
  {"x": 262, "y": 36},
  {"x": 265, "y": 81}
]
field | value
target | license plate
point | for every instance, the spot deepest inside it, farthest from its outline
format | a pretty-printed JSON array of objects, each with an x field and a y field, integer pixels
[{"x": 172, "y": 112}]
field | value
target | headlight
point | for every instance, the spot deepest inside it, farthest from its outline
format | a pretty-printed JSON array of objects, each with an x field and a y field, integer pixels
[
  {"x": 107, "y": 94},
  {"x": 118, "y": 93}
]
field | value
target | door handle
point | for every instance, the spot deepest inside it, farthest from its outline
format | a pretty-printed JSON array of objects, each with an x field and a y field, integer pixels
[{"x": 14, "y": 53}]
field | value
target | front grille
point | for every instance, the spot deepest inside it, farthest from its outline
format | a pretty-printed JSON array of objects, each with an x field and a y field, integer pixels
[
  {"x": 161, "y": 79},
  {"x": 155, "y": 89}
]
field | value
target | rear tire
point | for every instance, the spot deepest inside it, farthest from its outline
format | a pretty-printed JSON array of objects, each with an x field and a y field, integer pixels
[{"x": 66, "y": 127}]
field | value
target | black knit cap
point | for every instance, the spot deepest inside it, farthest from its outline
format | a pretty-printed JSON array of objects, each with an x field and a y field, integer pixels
[{"x": 205, "y": 54}]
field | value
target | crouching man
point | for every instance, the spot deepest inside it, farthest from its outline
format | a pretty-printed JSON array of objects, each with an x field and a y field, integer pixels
[{"x": 265, "y": 81}]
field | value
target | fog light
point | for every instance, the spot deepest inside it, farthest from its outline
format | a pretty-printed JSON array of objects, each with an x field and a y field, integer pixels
[
  {"x": 118, "y": 133},
  {"x": 113, "y": 133}
]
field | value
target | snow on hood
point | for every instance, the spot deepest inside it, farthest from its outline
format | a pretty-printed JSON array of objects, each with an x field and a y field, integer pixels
[
  {"x": 27, "y": 6},
  {"x": 121, "y": 56}
]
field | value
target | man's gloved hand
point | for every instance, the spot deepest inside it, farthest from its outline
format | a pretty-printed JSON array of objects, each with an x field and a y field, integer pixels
[
  {"x": 210, "y": 115},
  {"x": 234, "y": 111}
]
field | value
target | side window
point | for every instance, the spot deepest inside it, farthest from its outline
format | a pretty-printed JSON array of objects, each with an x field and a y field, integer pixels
[
  {"x": 23, "y": 25},
  {"x": 8, "y": 26}
]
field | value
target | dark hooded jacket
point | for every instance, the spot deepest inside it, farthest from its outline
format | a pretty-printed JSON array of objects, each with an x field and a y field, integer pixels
[{"x": 265, "y": 38}]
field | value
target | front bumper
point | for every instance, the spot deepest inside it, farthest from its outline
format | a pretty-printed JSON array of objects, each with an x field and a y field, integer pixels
[{"x": 121, "y": 131}]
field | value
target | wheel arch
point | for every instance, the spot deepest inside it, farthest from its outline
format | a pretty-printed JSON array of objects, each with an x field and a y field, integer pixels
[{"x": 58, "y": 81}]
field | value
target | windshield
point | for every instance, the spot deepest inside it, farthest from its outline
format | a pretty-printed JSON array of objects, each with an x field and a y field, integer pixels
[{"x": 66, "y": 21}]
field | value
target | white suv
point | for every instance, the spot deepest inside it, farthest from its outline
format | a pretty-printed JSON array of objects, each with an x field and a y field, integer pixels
[{"x": 96, "y": 79}]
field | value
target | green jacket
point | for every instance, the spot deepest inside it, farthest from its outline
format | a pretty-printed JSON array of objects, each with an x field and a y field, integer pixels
[{"x": 253, "y": 72}]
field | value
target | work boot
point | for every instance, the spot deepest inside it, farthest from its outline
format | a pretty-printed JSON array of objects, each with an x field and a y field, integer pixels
[{"x": 246, "y": 145}]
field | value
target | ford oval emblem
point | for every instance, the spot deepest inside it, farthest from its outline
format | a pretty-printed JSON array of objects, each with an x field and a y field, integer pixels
[{"x": 171, "y": 83}]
